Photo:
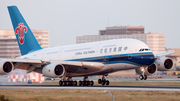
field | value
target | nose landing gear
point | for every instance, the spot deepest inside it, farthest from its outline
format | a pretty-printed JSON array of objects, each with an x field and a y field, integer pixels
[{"x": 143, "y": 77}]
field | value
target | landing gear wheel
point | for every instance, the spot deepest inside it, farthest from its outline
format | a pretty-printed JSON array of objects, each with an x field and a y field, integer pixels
[
  {"x": 141, "y": 77},
  {"x": 88, "y": 83},
  {"x": 64, "y": 83},
  {"x": 103, "y": 83},
  {"x": 99, "y": 81},
  {"x": 91, "y": 83},
  {"x": 107, "y": 82},
  {"x": 60, "y": 83},
  {"x": 145, "y": 77},
  {"x": 70, "y": 83},
  {"x": 74, "y": 83},
  {"x": 80, "y": 83},
  {"x": 84, "y": 83}
]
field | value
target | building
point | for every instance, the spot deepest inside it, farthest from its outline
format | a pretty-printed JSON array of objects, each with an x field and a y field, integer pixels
[
  {"x": 156, "y": 42},
  {"x": 9, "y": 47},
  {"x": 17, "y": 76},
  {"x": 118, "y": 30}
]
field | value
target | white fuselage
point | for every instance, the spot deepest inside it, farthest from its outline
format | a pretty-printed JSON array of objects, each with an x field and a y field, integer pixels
[{"x": 118, "y": 54}]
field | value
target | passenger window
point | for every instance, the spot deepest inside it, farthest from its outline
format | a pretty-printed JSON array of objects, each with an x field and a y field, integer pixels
[
  {"x": 110, "y": 49},
  {"x": 146, "y": 49},
  {"x": 101, "y": 50},
  {"x": 125, "y": 48},
  {"x": 115, "y": 49},
  {"x": 105, "y": 51},
  {"x": 119, "y": 49},
  {"x": 142, "y": 49}
]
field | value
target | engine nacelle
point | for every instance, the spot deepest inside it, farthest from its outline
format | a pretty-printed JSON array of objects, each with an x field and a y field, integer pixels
[
  {"x": 164, "y": 64},
  {"x": 6, "y": 67},
  {"x": 53, "y": 70},
  {"x": 149, "y": 70}
]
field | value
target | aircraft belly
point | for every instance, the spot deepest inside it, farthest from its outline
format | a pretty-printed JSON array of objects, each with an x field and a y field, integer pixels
[
  {"x": 106, "y": 69},
  {"x": 123, "y": 66}
]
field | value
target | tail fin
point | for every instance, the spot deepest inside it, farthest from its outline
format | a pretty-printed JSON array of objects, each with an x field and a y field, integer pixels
[{"x": 25, "y": 38}]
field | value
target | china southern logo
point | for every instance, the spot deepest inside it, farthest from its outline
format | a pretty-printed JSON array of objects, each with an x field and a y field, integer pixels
[{"x": 20, "y": 30}]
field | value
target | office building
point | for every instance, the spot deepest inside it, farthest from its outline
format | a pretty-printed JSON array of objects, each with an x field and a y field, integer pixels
[
  {"x": 119, "y": 30},
  {"x": 9, "y": 47},
  {"x": 156, "y": 42}
]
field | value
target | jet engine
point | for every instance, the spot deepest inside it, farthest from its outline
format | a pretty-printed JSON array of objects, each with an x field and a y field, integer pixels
[
  {"x": 6, "y": 67},
  {"x": 164, "y": 64},
  {"x": 53, "y": 70},
  {"x": 147, "y": 70}
]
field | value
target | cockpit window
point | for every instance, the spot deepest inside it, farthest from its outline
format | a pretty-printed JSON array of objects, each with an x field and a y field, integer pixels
[{"x": 144, "y": 49}]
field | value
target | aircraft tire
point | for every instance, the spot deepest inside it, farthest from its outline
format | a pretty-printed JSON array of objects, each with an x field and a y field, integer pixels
[
  {"x": 107, "y": 82},
  {"x": 74, "y": 83},
  {"x": 103, "y": 83},
  {"x": 141, "y": 77},
  {"x": 145, "y": 77},
  {"x": 70, "y": 83},
  {"x": 91, "y": 83},
  {"x": 84, "y": 83},
  {"x": 80, "y": 83},
  {"x": 64, "y": 83},
  {"x": 88, "y": 83},
  {"x": 99, "y": 81},
  {"x": 60, "y": 83}
]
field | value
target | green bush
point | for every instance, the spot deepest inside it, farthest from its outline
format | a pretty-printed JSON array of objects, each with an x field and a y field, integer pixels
[{"x": 2, "y": 98}]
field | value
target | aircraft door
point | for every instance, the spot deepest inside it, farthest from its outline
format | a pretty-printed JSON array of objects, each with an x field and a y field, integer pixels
[
  {"x": 130, "y": 55},
  {"x": 106, "y": 57}
]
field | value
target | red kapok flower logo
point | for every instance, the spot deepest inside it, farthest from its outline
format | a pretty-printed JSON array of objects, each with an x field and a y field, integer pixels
[{"x": 20, "y": 30}]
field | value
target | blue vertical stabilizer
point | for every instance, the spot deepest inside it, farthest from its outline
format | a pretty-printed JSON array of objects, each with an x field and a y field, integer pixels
[{"x": 25, "y": 38}]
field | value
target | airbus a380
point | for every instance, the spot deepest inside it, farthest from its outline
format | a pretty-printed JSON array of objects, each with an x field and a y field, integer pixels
[{"x": 96, "y": 58}]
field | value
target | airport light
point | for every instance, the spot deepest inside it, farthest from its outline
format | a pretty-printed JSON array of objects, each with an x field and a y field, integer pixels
[{"x": 112, "y": 95}]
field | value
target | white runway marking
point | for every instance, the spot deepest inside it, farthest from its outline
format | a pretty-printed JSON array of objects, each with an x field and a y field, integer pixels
[{"x": 125, "y": 88}]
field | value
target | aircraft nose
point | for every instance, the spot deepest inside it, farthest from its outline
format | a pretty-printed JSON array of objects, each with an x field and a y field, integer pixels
[{"x": 153, "y": 58}]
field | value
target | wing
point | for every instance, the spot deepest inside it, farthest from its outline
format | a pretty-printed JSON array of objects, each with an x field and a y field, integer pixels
[
  {"x": 157, "y": 55},
  {"x": 74, "y": 68}
]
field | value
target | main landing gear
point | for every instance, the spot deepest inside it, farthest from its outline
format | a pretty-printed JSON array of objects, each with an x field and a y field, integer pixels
[
  {"x": 67, "y": 82},
  {"x": 70, "y": 82},
  {"x": 103, "y": 81},
  {"x": 86, "y": 82},
  {"x": 143, "y": 77}
]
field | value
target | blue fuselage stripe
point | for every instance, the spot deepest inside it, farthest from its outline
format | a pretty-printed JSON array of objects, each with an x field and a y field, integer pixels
[{"x": 139, "y": 59}]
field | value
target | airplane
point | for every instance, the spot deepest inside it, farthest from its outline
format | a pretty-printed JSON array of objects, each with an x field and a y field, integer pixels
[{"x": 81, "y": 60}]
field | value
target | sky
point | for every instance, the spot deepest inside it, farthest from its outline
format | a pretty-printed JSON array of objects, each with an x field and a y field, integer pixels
[{"x": 66, "y": 19}]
